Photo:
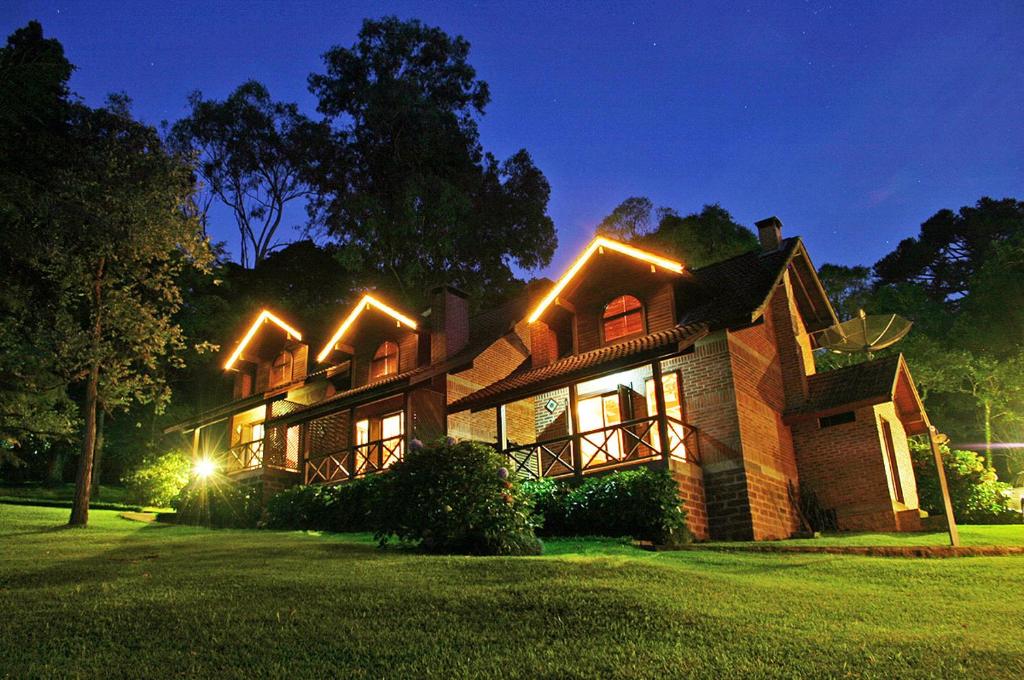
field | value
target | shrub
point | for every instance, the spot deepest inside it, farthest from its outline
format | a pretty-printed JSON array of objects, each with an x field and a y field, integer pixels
[
  {"x": 222, "y": 504},
  {"x": 158, "y": 480},
  {"x": 456, "y": 498},
  {"x": 642, "y": 503},
  {"x": 346, "y": 507},
  {"x": 977, "y": 496}
]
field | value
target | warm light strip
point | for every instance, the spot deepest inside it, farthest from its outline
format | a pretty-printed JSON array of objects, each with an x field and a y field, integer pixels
[
  {"x": 265, "y": 315},
  {"x": 595, "y": 245},
  {"x": 366, "y": 301}
]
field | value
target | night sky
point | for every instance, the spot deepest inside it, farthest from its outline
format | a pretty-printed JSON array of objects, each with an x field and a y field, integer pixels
[{"x": 852, "y": 123}]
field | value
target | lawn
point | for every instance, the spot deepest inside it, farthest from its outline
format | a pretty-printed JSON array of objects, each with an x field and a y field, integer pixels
[
  {"x": 970, "y": 535},
  {"x": 128, "y": 599}
]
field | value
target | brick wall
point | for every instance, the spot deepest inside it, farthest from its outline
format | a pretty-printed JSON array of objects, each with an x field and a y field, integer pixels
[
  {"x": 844, "y": 466},
  {"x": 710, "y": 406},
  {"x": 690, "y": 480},
  {"x": 769, "y": 457}
]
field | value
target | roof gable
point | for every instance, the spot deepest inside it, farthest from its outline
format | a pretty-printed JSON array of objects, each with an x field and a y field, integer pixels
[
  {"x": 265, "y": 316},
  {"x": 597, "y": 247},
  {"x": 366, "y": 302}
]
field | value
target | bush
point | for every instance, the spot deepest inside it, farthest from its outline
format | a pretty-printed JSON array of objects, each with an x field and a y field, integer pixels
[
  {"x": 159, "y": 479},
  {"x": 342, "y": 508},
  {"x": 977, "y": 496},
  {"x": 456, "y": 498},
  {"x": 643, "y": 504},
  {"x": 224, "y": 504}
]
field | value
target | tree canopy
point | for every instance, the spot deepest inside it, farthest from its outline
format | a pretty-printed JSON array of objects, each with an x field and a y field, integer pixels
[
  {"x": 697, "y": 239},
  {"x": 405, "y": 188},
  {"x": 252, "y": 153},
  {"x": 100, "y": 200}
]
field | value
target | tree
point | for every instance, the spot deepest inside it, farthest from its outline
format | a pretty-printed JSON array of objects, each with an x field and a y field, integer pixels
[
  {"x": 700, "y": 239},
  {"x": 849, "y": 288},
  {"x": 952, "y": 246},
  {"x": 100, "y": 200},
  {"x": 630, "y": 219},
  {"x": 35, "y": 409},
  {"x": 251, "y": 152},
  {"x": 405, "y": 188}
]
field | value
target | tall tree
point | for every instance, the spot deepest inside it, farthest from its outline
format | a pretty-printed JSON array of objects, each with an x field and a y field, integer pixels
[
  {"x": 406, "y": 189},
  {"x": 630, "y": 219},
  {"x": 102, "y": 209},
  {"x": 703, "y": 238},
  {"x": 849, "y": 288},
  {"x": 951, "y": 246},
  {"x": 35, "y": 408},
  {"x": 251, "y": 151}
]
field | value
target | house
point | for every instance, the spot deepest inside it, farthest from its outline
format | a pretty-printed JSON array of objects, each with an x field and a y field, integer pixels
[{"x": 628, "y": 359}]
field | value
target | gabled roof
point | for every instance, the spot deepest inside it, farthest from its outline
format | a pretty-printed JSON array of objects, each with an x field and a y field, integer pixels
[
  {"x": 737, "y": 290},
  {"x": 595, "y": 247},
  {"x": 366, "y": 302},
  {"x": 525, "y": 381},
  {"x": 872, "y": 382},
  {"x": 263, "y": 317}
]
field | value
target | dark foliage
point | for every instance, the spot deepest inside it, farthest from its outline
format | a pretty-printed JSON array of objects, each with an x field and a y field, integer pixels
[
  {"x": 643, "y": 504},
  {"x": 456, "y": 498},
  {"x": 343, "y": 508},
  {"x": 222, "y": 505}
]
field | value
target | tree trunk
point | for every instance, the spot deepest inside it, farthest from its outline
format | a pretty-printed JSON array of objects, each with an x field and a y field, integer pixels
[
  {"x": 97, "y": 456},
  {"x": 988, "y": 434},
  {"x": 55, "y": 468},
  {"x": 83, "y": 481}
]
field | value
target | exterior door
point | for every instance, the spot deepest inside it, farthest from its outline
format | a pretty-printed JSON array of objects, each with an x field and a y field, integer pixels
[
  {"x": 595, "y": 414},
  {"x": 391, "y": 434},
  {"x": 674, "y": 411}
]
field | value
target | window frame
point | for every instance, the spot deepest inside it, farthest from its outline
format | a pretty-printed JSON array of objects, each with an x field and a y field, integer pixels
[
  {"x": 603, "y": 319},
  {"x": 384, "y": 358},
  {"x": 289, "y": 371}
]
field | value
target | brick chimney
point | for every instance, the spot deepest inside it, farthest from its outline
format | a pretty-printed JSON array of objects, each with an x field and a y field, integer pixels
[
  {"x": 449, "y": 322},
  {"x": 769, "y": 232}
]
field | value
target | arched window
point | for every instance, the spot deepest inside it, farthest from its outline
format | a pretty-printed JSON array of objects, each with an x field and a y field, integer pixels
[
  {"x": 623, "y": 316},
  {"x": 281, "y": 369},
  {"x": 385, "y": 360}
]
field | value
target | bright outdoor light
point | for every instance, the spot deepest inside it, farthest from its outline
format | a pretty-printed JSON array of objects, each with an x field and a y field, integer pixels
[{"x": 204, "y": 468}]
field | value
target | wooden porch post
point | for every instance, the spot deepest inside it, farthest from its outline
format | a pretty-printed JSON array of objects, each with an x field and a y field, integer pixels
[
  {"x": 500, "y": 431},
  {"x": 659, "y": 401},
  {"x": 352, "y": 443},
  {"x": 947, "y": 504},
  {"x": 574, "y": 431}
]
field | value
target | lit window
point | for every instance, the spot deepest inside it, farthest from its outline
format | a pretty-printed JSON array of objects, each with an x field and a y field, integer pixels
[
  {"x": 385, "y": 360},
  {"x": 281, "y": 369},
  {"x": 623, "y": 316}
]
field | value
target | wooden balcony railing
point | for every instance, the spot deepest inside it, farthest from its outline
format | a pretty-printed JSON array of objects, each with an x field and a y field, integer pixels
[
  {"x": 627, "y": 443},
  {"x": 244, "y": 456},
  {"x": 359, "y": 460}
]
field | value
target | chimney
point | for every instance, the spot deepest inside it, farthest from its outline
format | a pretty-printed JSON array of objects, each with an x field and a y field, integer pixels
[
  {"x": 769, "y": 232},
  {"x": 449, "y": 322}
]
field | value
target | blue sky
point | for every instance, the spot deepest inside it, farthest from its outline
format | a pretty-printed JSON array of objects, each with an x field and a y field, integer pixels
[{"x": 851, "y": 122}]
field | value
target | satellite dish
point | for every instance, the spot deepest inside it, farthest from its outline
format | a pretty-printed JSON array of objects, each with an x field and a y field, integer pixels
[{"x": 864, "y": 333}]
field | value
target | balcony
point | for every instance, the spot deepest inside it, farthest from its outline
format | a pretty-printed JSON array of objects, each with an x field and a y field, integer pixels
[
  {"x": 357, "y": 461},
  {"x": 254, "y": 455},
  {"x": 630, "y": 442}
]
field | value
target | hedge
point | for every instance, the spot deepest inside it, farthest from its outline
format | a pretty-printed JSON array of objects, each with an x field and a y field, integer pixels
[{"x": 643, "y": 504}]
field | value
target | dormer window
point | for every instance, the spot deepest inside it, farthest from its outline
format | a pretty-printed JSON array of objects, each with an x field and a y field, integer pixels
[
  {"x": 623, "y": 317},
  {"x": 385, "y": 360},
  {"x": 281, "y": 369}
]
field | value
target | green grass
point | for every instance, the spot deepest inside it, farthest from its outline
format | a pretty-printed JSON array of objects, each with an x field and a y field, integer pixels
[
  {"x": 970, "y": 535},
  {"x": 128, "y": 599}
]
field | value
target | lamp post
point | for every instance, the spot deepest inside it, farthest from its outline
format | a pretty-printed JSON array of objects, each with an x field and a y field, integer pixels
[{"x": 935, "y": 439}]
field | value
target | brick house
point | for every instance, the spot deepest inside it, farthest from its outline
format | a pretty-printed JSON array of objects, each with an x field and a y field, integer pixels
[{"x": 629, "y": 359}]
